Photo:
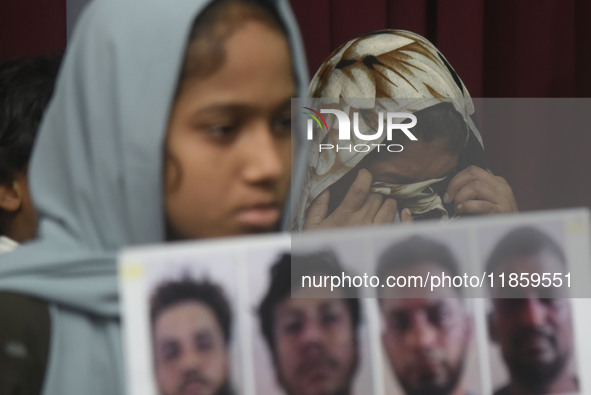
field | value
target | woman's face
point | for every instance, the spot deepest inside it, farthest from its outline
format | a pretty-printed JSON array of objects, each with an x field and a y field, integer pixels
[{"x": 228, "y": 148}]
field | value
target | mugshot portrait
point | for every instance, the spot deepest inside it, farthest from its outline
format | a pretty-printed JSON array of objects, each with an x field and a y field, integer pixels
[
  {"x": 531, "y": 330},
  {"x": 429, "y": 337},
  {"x": 310, "y": 340},
  {"x": 191, "y": 323}
]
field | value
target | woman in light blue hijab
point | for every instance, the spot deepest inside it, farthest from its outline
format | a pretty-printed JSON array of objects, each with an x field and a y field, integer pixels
[{"x": 151, "y": 136}]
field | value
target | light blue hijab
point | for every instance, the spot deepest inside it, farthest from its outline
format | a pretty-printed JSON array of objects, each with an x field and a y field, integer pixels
[{"x": 96, "y": 178}]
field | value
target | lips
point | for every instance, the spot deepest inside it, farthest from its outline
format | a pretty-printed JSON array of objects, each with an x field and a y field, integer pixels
[
  {"x": 537, "y": 347},
  {"x": 316, "y": 369},
  {"x": 259, "y": 216},
  {"x": 315, "y": 377},
  {"x": 425, "y": 370},
  {"x": 535, "y": 344},
  {"x": 537, "y": 341},
  {"x": 196, "y": 387}
]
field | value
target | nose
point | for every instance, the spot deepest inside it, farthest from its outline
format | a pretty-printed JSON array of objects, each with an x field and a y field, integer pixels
[
  {"x": 533, "y": 312},
  {"x": 311, "y": 333},
  {"x": 422, "y": 334},
  {"x": 191, "y": 361},
  {"x": 263, "y": 158}
]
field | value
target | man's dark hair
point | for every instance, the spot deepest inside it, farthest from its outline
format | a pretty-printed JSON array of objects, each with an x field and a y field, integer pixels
[
  {"x": 412, "y": 251},
  {"x": 523, "y": 241},
  {"x": 26, "y": 86},
  {"x": 280, "y": 287},
  {"x": 171, "y": 293}
]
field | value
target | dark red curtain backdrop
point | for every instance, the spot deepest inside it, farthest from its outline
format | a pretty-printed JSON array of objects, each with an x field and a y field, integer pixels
[
  {"x": 32, "y": 27},
  {"x": 500, "y": 48}
]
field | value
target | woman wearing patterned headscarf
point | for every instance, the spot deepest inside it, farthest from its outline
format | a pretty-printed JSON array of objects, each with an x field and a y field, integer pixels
[{"x": 439, "y": 176}]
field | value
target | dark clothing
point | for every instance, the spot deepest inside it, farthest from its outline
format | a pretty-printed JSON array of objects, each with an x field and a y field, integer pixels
[
  {"x": 503, "y": 391},
  {"x": 24, "y": 344}
]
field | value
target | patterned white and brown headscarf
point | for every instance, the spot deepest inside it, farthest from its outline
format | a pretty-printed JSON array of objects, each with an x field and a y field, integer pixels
[{"x": 388, "y": 64}]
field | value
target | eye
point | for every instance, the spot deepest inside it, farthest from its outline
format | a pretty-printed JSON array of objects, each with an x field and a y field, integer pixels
[
  {"x": 293, "y": 327},
  {"x": 281, "y": 124},
  {"x": 222, "y": 131},
  {"x": 330, "y": 318},
  {"x": 400, "y": 321},
  {"x": 204, "y": 343},
  {"x": 438, "y": 316},
  {"x": 170, "y": 351}
]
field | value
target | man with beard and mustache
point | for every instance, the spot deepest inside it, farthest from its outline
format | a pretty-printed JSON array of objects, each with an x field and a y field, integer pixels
[
  {"x": 426, "y": 334},
  {"x": 312, "y": 336},
  {"x": 533, "y": 328},
  {"x": 191, "y": 323}
]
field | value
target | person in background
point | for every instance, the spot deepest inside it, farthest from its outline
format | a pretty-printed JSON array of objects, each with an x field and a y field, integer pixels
[
  {"x": 440, "y": 175},
  {"x": 26, "y": 86},
  {"x": 167, "y": 123}
]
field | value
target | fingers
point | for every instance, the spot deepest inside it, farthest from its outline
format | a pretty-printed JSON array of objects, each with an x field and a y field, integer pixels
[
  {"x": 386, "y": 212},
  {"x": 317, "y": 211},
  {"x": 406, "y": 216},
  {"x": 357, "y": 194},
  {"x": 476, "y": 191},
  {"x": 461, "y": 180},
  {"x": 371, "y": 206},
  {"x": 477, "y": 207},
  {"x": 472, "y": 191},
  {"x": 359, "y": 207}
]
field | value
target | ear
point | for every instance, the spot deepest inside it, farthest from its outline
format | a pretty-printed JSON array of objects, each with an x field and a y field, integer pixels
[{"x": 11, "y": 195}]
